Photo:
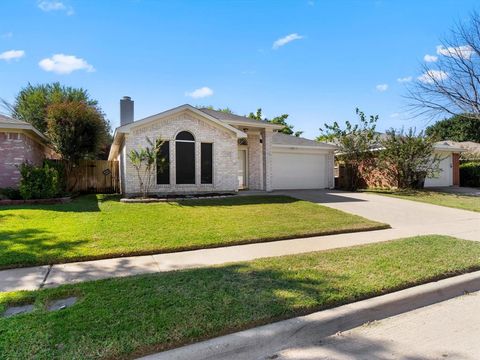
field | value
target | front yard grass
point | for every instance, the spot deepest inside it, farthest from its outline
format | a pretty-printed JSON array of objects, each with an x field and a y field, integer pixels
[
  {"x": 92, "y": 227},
  {"x": 127, "y": 317},
  {"x": 464, "y": 202}
]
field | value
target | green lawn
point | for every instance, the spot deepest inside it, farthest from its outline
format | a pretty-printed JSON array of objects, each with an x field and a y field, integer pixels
[
  {"x": 100, "y": 226},
  {"x": 128, "y": 317},
  {"x": 464, "y": 202}
]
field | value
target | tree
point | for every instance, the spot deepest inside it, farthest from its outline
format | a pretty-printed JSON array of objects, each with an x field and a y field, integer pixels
[
  {"x": 355, "y": 142},
  {"x": 279, "y": 120},
  {"x": 32, "y": 102},
  {"x": 143, "y": 160},
  {"x": 407, "y": 158},
  {"x": 457, "y": 128},
  {"x": 451, "y": 85},
  {"x": 76, "y": 131}
]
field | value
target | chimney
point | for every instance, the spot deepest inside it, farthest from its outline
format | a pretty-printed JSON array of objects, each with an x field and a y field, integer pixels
[{"x": 126, "y": 110}]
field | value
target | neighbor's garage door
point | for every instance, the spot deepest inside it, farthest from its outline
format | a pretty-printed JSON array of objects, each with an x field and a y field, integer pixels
[
  {"x": 291, "y": 170},
  {"x": 445, "y": 177}
]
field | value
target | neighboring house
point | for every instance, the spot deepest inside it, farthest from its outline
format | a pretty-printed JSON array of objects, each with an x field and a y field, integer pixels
[
  {"x": 212, "y": 151},
  {"x": 19, "y": 142},
  {"x": 449, "y": 166}
]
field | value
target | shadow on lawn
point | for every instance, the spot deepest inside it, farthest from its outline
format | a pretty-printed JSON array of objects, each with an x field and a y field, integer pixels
[
  {"x": 84, "y": 203},
  {"x": 32, "y": 246},
  {"x": 241, "y": 200},
  {"x": 177, "y": 308}
]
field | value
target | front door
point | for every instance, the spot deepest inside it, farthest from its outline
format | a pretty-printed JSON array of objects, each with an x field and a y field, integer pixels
[{"x": 242, "y": 169}]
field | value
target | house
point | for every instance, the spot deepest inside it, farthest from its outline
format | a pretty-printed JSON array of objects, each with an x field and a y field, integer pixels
[
  {"x": 213, "y": 151},
  {"x": 449, "y": 169},
  {"x": 19, "y": 142}
]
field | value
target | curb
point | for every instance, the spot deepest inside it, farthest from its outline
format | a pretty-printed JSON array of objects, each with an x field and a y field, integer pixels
[{"x": 256, "y": 343}]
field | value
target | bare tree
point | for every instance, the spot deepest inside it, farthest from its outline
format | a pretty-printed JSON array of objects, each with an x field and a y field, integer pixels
[{"x": 451, "y": 85}]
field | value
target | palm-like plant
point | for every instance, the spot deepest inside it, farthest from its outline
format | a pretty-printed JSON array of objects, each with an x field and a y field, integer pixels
[{"x": 144, "y": 160}]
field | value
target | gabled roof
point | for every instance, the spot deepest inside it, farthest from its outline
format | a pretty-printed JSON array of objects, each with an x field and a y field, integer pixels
[
  {"x": 8, "y": 123},
  {"x": 238, "y": 119},
  {"x": 164, "y": 114},
  {"x": 125, "y": 129},
  {"x": 280, "y": 139}
]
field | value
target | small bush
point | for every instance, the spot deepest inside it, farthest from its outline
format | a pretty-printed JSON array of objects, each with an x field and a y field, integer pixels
[
  {"x": 10, "y": 194},
  {"x": 470, "y": 174},
  {"x": 38, "y": 182}
]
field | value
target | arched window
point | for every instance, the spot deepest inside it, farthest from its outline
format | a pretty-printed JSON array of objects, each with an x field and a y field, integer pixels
[{"x": 185, "y": 158}]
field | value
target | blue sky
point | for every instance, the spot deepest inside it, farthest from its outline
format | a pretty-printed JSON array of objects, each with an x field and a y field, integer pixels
[{"x": 315, "y": 60}]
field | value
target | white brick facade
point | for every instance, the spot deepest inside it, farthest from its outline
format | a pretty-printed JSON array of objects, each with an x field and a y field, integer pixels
[{"x": 225, "y": 155}]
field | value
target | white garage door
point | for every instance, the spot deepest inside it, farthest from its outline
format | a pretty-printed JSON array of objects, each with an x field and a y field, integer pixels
[
  {"x": 445, "y": 178},
  {"x": 298, "y": 171}
]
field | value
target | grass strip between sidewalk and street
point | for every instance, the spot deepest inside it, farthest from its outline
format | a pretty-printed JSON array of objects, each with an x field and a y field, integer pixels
[{"x": 127, "y": 317}]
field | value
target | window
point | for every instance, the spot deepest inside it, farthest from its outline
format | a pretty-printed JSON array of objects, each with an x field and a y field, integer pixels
[
  {"x": 207, "y": 163},
  {"x": 163, "y": 164},
  {"x": 185, "y": 158}
]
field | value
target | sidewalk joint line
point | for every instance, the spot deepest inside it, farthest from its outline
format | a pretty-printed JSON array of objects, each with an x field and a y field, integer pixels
[{"x": 42, "y": 284}]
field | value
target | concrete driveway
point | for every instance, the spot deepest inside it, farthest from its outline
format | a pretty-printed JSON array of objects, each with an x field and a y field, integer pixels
[{"x": 409, "y": 217}]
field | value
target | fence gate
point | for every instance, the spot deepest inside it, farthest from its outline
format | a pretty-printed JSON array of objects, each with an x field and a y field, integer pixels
[{"x": 94, "y": 176}]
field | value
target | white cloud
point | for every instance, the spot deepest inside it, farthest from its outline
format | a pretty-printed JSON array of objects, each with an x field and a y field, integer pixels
[
  {"x": 12, "y": 55},
  {"x": 381, "y": 87},
  {"x": 65, "y": 64},
  {"x": 430, "y": 58},
  {"x": 431, "y": 76},
  {"x": 200, "y": 93},
  {"x": 464, "y": 51},
  {"x": 285, "y": 40},
  {"x": 7, "y": 35},
  {"x": 405, "y": 79},
  {"x": 394, "y": 115},
  {"x": 54, "y": 5}
]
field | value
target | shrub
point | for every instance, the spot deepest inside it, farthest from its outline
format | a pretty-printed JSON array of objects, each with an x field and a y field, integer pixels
[
  {"x": 38, "y": 182},
  {"x": 470, "y": 174},
  {"x": 10, "y": 194}
]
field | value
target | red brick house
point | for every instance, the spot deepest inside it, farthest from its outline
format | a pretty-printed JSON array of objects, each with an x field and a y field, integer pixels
[{"x": 19, "y": 142}]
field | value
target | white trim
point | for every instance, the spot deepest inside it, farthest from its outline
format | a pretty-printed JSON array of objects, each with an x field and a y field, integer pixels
[
  {"x": 318, "y": 147},
  {"x": 260, "y": 125}
]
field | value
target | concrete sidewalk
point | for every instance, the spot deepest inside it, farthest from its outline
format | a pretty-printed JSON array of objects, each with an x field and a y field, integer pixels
[{"x": 407, "y": 218}]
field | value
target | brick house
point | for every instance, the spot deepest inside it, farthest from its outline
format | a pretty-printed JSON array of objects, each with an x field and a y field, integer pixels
[
  {"x": 213, "y": 151},
  {"x": 19, "y": 142}
]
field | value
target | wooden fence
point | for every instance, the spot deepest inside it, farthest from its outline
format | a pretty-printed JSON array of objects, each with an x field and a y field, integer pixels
[{"x": 94, "y": 176}]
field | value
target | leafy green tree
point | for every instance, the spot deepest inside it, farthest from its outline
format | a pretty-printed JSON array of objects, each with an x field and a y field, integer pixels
[
  {"x": 408, "y": 158},
  {"x": 456, "y": 128},
  {"x": 144, "y": 160},
  {"x": 355, "y": 142},
  {"x": 76, "y": 131},
  {"x": 279, "y": 120},
  {"x": 32, "y": 102}
]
